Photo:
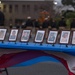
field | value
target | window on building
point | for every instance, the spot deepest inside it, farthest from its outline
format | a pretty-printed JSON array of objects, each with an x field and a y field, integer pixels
[
  {"x": 16, "y": 8},
  {"x": 10, "y": 8},
  {"x": 10, "y": 21},
  {"x": 42, "y": 7},
  {"x": 4, "y": 8},
  {"x": 23, "y": 8},
  {"x": 0, "y": 8},
  {"x": 35, "y": 8},
  {"x": 28, "y": 7}
]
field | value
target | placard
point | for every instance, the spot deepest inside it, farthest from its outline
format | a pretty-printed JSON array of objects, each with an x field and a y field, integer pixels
[
  {"x": 73, "y": 37},
  {"x": 13, "y": 35},
  {"x": 25, "y": 35},
  {"x": 2, "y": 34},
  {"x": 52, "y": 36},
  {"x": 65, "y": 35},
  {"x": 39, "y": 36}
]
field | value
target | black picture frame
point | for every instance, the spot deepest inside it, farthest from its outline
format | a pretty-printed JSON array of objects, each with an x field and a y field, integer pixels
[
  {"x": 40, "y": 34},
  {"x": 2, "y": 34},
  {"x": 65, "y": 37},
  {"x": 52, "y": 36},
  {"x": 73, "y": 38},
  {"x": 13, "y": 35},
  {"x": 25, "y": 35}
]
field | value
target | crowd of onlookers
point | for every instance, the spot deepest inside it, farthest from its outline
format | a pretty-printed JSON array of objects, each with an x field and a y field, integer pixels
[{"x": 47, "y": 23}]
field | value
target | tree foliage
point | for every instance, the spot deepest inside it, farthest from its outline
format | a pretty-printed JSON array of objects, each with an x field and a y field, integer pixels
[{"x": 68, "y": 2}]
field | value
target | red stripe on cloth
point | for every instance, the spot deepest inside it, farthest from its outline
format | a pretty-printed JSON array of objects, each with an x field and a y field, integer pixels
[
  {"x": 12, "y": 59},
  {"x": 64, "y": 62},
  {"x": 6, "y": 57}
]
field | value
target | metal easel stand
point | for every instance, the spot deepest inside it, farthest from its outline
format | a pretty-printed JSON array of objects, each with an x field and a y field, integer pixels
[{"x": 5, "y": 70}]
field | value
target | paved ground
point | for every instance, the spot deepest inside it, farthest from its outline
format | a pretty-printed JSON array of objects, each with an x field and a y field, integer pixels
[{"x": 46, "y": 68}]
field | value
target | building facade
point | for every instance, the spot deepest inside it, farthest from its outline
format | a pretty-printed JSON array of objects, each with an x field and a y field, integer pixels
[{"x": 19, "y": 10}]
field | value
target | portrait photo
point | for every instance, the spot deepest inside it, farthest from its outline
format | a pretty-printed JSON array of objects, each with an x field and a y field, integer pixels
[
  {"x": 52, "y": 36},
  {"x": 39, "y": 36},
  {"x": 65, "y": 37},
  {"x": 73, "y": 37},
  {"x": 25, "y": 35},
  {"x": 13, "y": 35},
  {"x": 2, "y": 34}
]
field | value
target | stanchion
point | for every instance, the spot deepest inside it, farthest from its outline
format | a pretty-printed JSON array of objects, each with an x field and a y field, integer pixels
[{"x": 5, "y": 70}]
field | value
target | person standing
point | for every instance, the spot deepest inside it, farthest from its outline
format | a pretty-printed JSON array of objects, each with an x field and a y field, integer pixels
[
  {"x": 54, "y": 25},
  {"x": 36, "y": 23},
  {"x": 2, "y": 18},
  {"x": 29, "y": 23},
  {"x": 62, "y": 24},
  {"x": 45, "y": 26},
  {"x": 50, "y": 21},
  {"x": 73, "y": 24}
]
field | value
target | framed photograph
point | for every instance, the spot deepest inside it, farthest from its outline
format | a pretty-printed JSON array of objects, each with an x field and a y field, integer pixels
[
  {"x": 65, "y": 35},
  {"x": 13, "y": 35},
  {"x": 25, "y": 35},
  {"x": 52, "y": 36},
  {"x": 73, "y": 37},
  {"x": 39, "y": 36},
  {"x": 2, "y": 34}
]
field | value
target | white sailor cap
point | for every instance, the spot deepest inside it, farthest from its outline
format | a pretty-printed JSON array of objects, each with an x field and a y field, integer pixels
[
  {"x": 28, "y": 17},
  {"x": 46, "y": 18}
]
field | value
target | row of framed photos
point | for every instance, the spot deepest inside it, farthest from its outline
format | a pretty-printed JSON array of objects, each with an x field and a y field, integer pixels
[{"x": 39, "y": 37}]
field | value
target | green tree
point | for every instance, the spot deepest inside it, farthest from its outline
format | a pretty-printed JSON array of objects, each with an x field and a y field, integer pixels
[{"x": 68, "y": 2}]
